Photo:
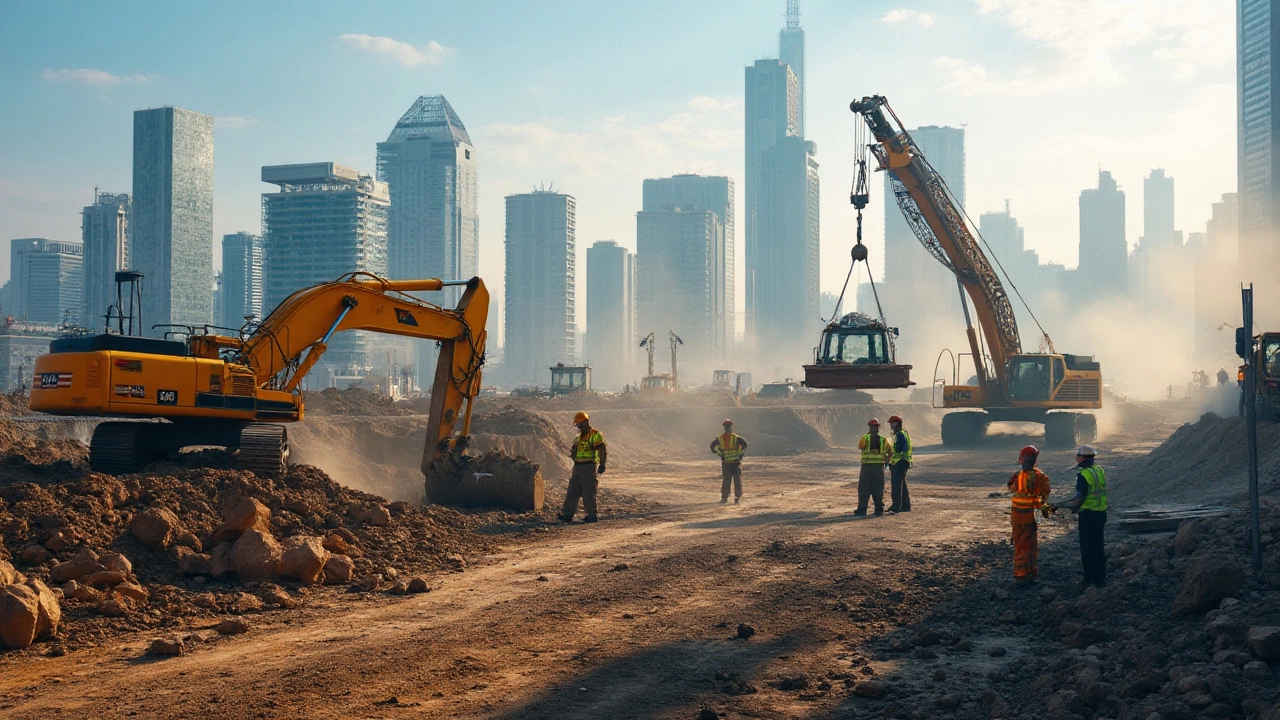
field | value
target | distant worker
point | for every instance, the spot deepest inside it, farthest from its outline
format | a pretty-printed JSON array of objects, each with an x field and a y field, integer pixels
[
  {"x": 875, "y": 456},
  {"x": 1030, "y": 487},
  {"x": 730, "y": 447},
  {"x": 899, "y": 463},
  {"x": 1222, "y": 377},
  {"x": 589, "y": 453},
  {"x": 1168, "y": 393},
  {"x": 1090, "y": 503}
]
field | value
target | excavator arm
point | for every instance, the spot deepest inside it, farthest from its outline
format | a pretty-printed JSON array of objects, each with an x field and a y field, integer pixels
[{"x": 939, "y": 224}]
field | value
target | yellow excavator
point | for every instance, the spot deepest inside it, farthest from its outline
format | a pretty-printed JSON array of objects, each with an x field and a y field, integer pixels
[
  {"x": 235, "y": 391},
  {"x": 1013, "y": 386}
]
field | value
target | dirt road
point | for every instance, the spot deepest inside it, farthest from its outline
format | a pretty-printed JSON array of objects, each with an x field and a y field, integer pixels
[{"x": 632, "y": 617}]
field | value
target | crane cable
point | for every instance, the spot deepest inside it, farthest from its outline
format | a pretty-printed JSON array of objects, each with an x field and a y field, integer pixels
[{"x": 859, "y": 197}]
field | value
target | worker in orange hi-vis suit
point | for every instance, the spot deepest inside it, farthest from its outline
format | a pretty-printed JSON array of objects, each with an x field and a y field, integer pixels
[{"x": 1030, "y": 487}]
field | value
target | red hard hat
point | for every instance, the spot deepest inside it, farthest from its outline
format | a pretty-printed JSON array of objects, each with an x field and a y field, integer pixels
[
  {"x": 1028, "y": 451},
  {"x": 873, "y": 421},
  {"x": 895, "y": 419}
]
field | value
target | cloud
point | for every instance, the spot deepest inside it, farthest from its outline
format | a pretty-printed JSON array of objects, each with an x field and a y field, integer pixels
[
  {"x": 235, "y": 122},
  {"x": 91, "y": 77},
  {"x": 433, "y": 53},
  {"x": 905, "y": 15}
]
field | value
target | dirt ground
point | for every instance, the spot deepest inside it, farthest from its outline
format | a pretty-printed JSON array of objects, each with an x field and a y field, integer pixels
[{"x": 643, "y": 614}]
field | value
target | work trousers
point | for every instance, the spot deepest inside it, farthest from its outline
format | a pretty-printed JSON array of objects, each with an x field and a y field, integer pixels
[
  {"x": 1026, "y": 551},
  {"x": 582, "y": 484},
  {"x": 899, "y": 498},
  {"x": 1092, "y": 555},
  {"x": 871, "y": 486},
  {"x": 731, "y": 473}
]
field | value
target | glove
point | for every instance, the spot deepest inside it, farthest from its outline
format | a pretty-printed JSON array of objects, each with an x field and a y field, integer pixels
[{"x": 600, "y": 469}]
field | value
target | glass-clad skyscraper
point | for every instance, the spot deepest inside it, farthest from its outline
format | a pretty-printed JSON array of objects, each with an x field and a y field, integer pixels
[
  {"x": 104, "y": 231},
  {"x": 241, "y": 279},
  {"x": 1258, "y": 138},
  {"x": 541, "y": 301}
]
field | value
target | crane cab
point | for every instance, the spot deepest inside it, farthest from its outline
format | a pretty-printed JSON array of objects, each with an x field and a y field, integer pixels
[{"x": 857, "y": 353}]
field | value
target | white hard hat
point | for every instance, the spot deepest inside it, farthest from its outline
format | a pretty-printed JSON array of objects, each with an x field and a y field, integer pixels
[{"x": 1086, "y": 450}]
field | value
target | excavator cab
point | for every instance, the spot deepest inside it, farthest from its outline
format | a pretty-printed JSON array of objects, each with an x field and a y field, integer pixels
[{"x": 856, "y": 352}]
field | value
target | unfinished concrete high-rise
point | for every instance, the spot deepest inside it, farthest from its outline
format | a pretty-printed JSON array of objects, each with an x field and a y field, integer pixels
[
  {"x": 1258, "y": 145},
  {"x": 540, "y": 318},
  {"x": 241, "y": 296},
  {"x": 611, "y": 334},
  {"x": 1104, "y": 251},
  {"x": 104, "y": 233}
]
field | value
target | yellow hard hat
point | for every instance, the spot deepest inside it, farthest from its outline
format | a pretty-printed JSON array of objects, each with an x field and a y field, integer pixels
[{"x": 580, "y": 417}]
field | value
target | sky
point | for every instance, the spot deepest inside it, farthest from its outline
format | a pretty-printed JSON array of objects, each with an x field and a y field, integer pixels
[{"x": 591, "y": 97}]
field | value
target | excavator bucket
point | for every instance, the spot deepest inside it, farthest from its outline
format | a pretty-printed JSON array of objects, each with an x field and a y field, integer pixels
[
  {"x": 857, "y": 377},
  {"x": 493, "y": 479}
]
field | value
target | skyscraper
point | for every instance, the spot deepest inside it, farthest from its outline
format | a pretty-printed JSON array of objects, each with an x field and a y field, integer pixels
[
  {"x": 47, "y": 280},
  {"x": 1258, "y": 138},
  {"x": 1157, "y": 211},
  {"x": 20, "y": 251},
  {"x": 171, "y": 232},
  {"x": 786, "y": 302},
  {"x": 541, "y": 309},
  {"x": 325, "y": 221},
  {"x": 1104, "y": 252},
  {"x": 611, "y": 334},
  {"x": 104, "y": 231},
  {"x": 791, "y": 52},
  {"x": 696, "y": 192},
  {"x": 676, "y": 280},
  {"x": 241, "y": 279}
]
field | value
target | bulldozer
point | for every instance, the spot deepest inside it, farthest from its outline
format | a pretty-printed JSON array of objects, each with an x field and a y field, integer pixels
[{"x": 196, "y": 387}]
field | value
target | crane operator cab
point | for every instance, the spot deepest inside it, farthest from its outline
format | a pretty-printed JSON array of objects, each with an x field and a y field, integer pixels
[{"x": 856, "y": 353}]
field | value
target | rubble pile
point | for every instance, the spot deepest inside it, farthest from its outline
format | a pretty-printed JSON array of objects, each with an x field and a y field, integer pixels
[{"x": 358, "y": 402}]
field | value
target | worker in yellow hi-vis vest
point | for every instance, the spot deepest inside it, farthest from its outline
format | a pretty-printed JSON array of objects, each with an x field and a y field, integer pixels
[
  {"x": 730, "y": 447},
  {"x": 589, "y": 455},
  {"x": 876, "y": 453}
]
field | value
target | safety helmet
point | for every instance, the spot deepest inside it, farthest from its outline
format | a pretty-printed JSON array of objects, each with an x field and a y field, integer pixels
[
  {"x": 727, "y": 421},
  {"x": 1086, "y": 451},
  {"x": 580, "y": 417},
  {"x": 1029, "y": 451},
  {"x": 895, "y": 419},
  {"x": 873, "y": 421}
]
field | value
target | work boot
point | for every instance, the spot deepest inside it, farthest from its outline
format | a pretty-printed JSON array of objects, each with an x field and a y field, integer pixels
[
  {"x": 879, "y": 513},
  {"x": 736, "y": 499},
  {"x": 860, "y": 513},
  {"x": 564, "y": 519},
  {"x": 724, "y": 500},
  {"x": 590, "y": 519}
]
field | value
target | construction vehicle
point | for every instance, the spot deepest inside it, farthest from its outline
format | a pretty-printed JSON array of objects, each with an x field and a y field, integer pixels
[
  {"x": 235, "y": 391},
  {"x": 1261, "y": 354},
  {"x": 1045, "y": 387},
  {"x": 665, "y": 382},
  {"x": 570, "y": 379}
]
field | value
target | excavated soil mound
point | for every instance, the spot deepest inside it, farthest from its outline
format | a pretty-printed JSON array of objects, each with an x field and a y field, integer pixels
[
  {"x": 353, "y": 402},
  {"x": 14, "y": 403}
]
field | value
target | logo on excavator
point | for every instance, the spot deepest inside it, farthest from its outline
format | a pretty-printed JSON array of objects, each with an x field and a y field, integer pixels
[
  {"x": 167, "y": 397},
  {"x": 961, "y": 395},
  {"x": 54, "y": 380},
  {"x": 404, "y": 317}
]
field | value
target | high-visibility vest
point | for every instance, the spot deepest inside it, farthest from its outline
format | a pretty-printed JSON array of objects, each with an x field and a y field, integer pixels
[
  {"x": 875, "y": 456},
  {"x": 585, "y": 449},
  {"x": 1025, "y": 497},
  {"x": 1096, "y": 499},
  {"x": 729, "y": 450},
  {"x": 897, "y": 456}
]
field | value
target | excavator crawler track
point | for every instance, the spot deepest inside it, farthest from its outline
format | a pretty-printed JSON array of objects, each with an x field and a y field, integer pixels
[
  {"x": 117, "y": 448},
  {"x": 264, "y": 449}
]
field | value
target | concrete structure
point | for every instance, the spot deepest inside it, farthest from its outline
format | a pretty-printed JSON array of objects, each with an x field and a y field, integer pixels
[
  {"x": 242, "y": 294},
  {"x": 1258, "y": 147},
  {"x": 791, "y": 52},
  {"x": 541, "y": 305},
  {"x": 610, "y": 346},
  {"x": 46, "y": 283},
  {"x": 325, "y": 221},
  {"x": 20, "y": 250},
  {"x": 171, "y": 231},
  {"x": 20, "y": 345},
  {"x": 695, "y": 192},
  {"x": 1104, "y": 251},
  {"x": 104, "y": 232},
  {"x": 1157, "y": 211},
  {"x": 1217, "y": 295},
  {"x": 676, "y": 280}
]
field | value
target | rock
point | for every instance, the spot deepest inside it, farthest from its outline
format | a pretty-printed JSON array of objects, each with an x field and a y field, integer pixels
[
  {"x": 103, "y": 579},
  {"x": 1009, "y": 617},
  {"x": 939, "y": 675},
  {"x": 188, "y": 540},
  {"x": 84, "y": 593},
  {"x": 276, "y": 595},
  {"x": 19, "y": 616},
  {"x": 417, "y": 585},
  {"x": 155, "y": 527},
  {"x": 1087, "y": 635},
  {"x": 1207, "y": 580},
  {"x": 1000, "y": 594},
  {"x": 375, "y": 515},
  {"x": 1257, "y": 671},
  {"x": 8, "y": 575},
  {"x": 117, "y": 562},
  {"x": 244, "y": 602},
  {"x": 745, "y": 631},
  {"x": 334, "y": 543},
  {"x": 400, "y": 588},
  {"x": 928, "y": 638},
  {"x": 34, "y": 554},
  {"x": 1264, "y": 642},
  {"x": 708, "y": 714},
  {"x": 1192, "y": 684},
  {"x": 1190, "y": 534},
  {"x": 304, "y": 559},
  {"x": 255, "y": 556},
  {"x": 1095, "y": 693},
  {"x": 997, "y": 651},
  {"x": 166, "y": 647},
  {"x": 456, "y": 560},
  {"x": 870, "y": 689},
  {"x": 338, "y": 570},
  {"x": 220, "y": 561},
  {"x": 196, "y": 564},
  {"x": 232, "y": 626},
  {"x": 244, "y": 515},
  {"x": 49, "y": 609},
  {"x": 85, "y": 563},
  {"x": 950, "y": 701},
  {"x": 793, "y": 683},
  {"x": 133, "y": 591},
  {"x": 58, "y": 541}
]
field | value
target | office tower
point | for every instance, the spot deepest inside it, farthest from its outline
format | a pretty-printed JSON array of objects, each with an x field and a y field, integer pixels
[
  {"x": 171, "y": 231},
  {"x": 1104, "y": 251},
  {"x": 1217, "y": 293},
  {"x": 786, "y": 310},
  {"x": 611, "y": 334},
  {"x": 48, "y": 280},
  {"x": 241, "y": 279},
  {"x": 1258, "y": 140},
  {"x": 1157, "y": 211},
  {"x": 20, "y": 251},
  {"x": 104, "y": 232},
  {"x": 791, "y": 52},
  {"x": 325, "y": 221},
  {"x": 541, "y": 310},
  {"x": 675, "y": 283},
  {"x": 696, "y": 192}
]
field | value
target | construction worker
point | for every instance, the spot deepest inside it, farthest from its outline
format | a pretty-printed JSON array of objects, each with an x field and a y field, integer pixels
[
  {"x": 1090, "y": 503},
  {"x": 875, "y": 456},
  {"x": 1030, "y": 487},
  {"x": 589, "y": 454},
  {"x": 899, "y": 463},
  {"x": 730, "y": 447}
]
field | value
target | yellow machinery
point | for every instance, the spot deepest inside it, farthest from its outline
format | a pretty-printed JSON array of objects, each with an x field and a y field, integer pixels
[
  {"x": 666, "y": 382},
  {"x": 233, "y": 391},
  {"x": 1012, "y": 385}
]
